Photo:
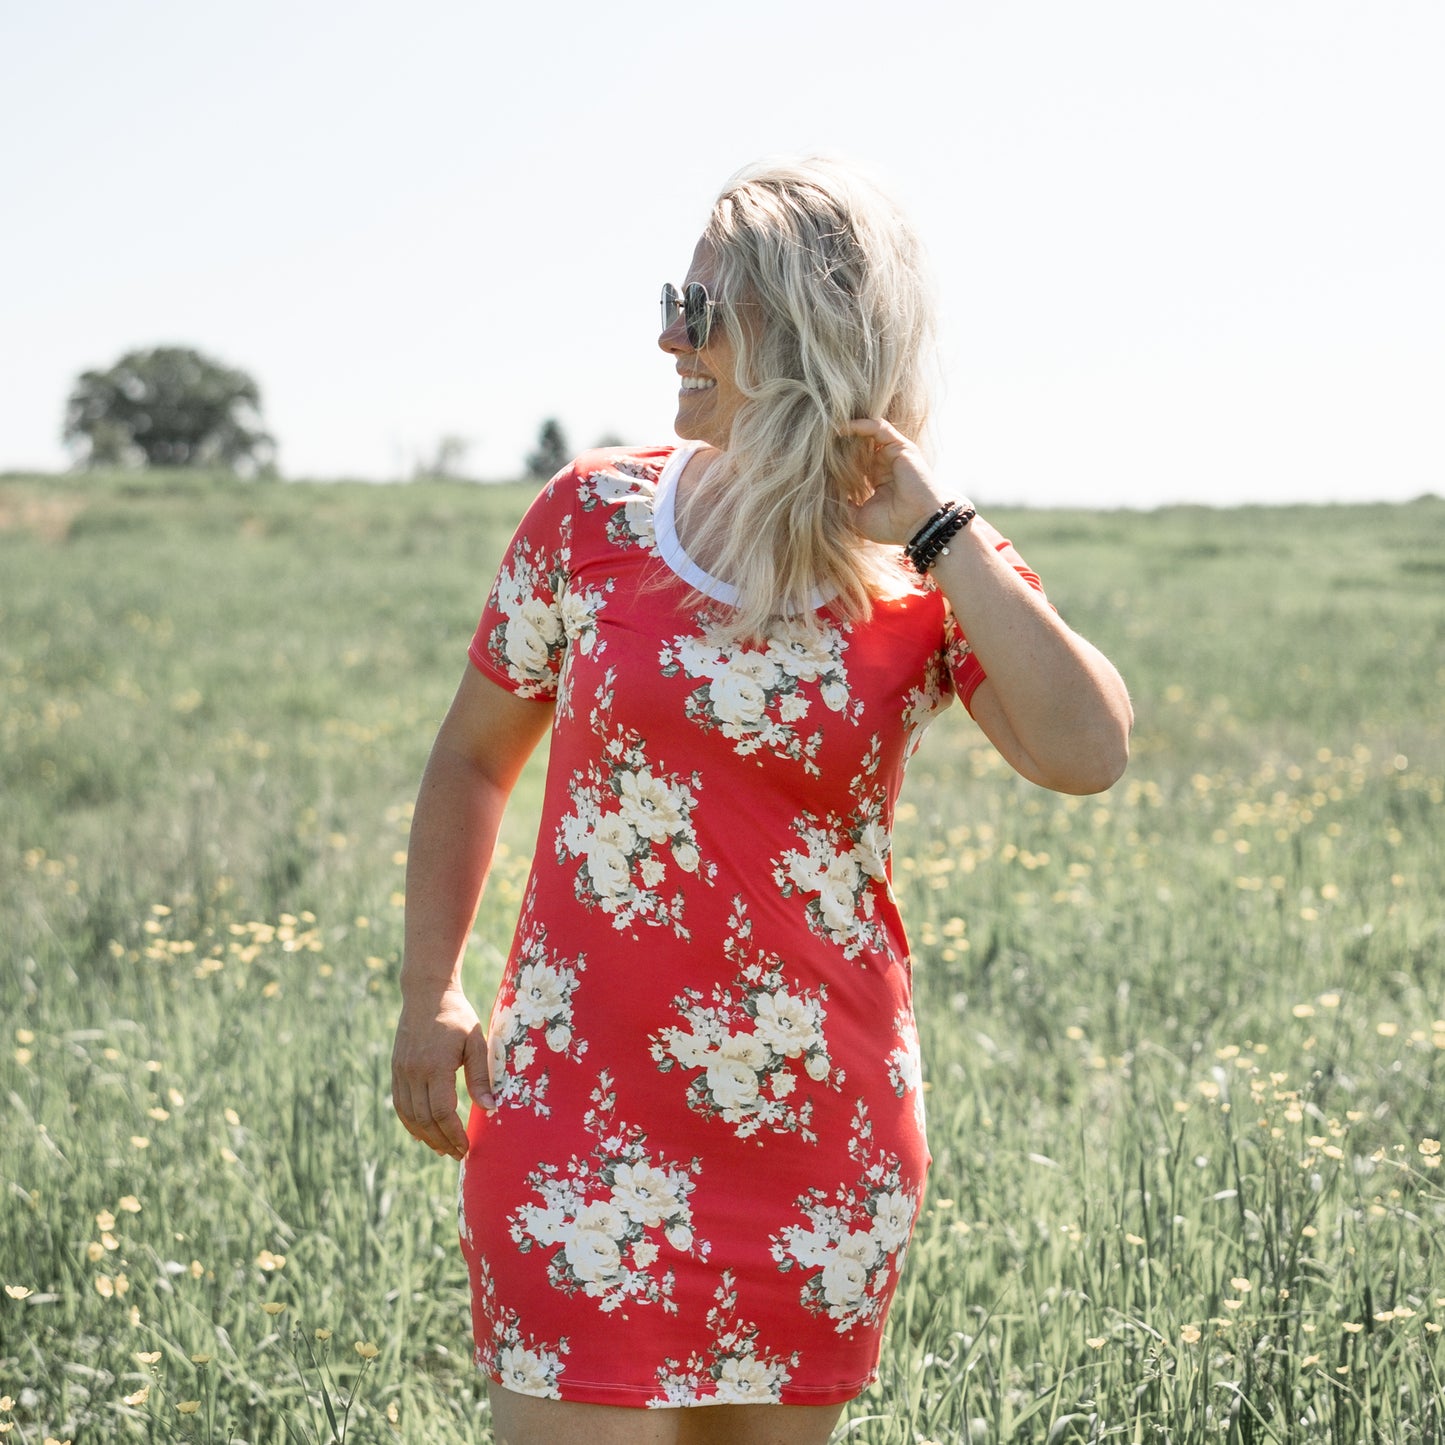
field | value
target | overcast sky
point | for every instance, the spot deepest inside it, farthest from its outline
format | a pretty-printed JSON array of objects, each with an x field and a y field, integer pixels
[{"x": 1185, "y": 252}]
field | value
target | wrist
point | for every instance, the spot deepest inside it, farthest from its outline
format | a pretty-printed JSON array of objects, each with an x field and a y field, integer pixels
[
  {"x": 424, "y": 990},
  {"x": 931, "y": 539}
]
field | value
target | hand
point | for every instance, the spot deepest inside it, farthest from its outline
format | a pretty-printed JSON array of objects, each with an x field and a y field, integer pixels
[
  {"x": 905, "y": 494},
  {"x": 432, "y": 1043}
]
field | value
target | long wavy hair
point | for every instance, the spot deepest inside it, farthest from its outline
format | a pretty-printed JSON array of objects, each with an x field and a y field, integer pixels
[{"x": 822, "y": 288}]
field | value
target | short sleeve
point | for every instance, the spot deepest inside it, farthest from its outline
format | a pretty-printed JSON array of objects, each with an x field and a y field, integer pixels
[
  {"x": 965, "y": 670},
  {"x": 520, "y": 641}
]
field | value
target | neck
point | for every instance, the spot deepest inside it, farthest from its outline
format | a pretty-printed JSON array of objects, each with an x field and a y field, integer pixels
[{"x": 691, "y": 503}]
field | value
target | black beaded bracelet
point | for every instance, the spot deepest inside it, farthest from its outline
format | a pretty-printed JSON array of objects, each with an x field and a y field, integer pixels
[
  {"x": 930, "y": 528},
  {"x": 931, "y": 540}
]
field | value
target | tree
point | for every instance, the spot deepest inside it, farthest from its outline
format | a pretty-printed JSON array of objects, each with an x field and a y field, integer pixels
[
  {"x": 552, "y": 452},
  {"x": 447, "y": 463},
  {"x": 168, "y": 406}
]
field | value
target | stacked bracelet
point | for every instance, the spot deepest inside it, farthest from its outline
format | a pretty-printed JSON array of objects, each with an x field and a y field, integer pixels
[{"x": 931, "y": 540}]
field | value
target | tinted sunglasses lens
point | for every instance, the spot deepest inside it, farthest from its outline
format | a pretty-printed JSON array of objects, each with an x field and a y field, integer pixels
[
  {"x": 697, "y": 313},
  {"x": 670, "y": 302}
]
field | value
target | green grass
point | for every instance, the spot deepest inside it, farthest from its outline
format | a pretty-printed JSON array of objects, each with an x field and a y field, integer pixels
[{"x": 1185, "y": 1040}]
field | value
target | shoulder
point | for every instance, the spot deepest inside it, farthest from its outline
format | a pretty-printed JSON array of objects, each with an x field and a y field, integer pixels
[
  {"x": 604, "y": 474},
  {"x": 643, "y": 464},
  {"x": 604, "y": 498}
]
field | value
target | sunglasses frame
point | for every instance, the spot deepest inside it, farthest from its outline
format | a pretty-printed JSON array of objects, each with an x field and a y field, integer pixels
[{"x": 696, "y": 307}]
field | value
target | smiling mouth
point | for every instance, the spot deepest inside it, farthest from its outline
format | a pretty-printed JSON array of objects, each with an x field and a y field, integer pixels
[{"x": 697, "y": 383}]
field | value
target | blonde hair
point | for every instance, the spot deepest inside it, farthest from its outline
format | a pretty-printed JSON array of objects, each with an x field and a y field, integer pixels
[{"x": 822, "y": 289}]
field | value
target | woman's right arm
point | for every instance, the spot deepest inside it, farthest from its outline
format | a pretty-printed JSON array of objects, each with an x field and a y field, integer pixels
[{"x": 483, "y": 743}]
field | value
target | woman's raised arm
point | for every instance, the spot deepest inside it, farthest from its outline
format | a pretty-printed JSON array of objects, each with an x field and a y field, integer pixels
[{"x": 1051, "y": 702}]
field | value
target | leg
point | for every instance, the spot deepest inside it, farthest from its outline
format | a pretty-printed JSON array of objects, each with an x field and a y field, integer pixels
[
  {"x": 758, "y": 1424},
  {"x": 524, "y": 1420}
]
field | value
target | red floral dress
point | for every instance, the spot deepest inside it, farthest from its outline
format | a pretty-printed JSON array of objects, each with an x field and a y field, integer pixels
[{"x": 708, "y": 1149}]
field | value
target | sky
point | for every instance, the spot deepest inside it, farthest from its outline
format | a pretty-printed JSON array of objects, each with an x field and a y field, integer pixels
[{"x": 1184, "y": 252}]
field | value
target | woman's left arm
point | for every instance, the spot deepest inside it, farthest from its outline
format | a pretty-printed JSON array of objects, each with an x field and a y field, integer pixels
[{"x": 1051, "y": 702}]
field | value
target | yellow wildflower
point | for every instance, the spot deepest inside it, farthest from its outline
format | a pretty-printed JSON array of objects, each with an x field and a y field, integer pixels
[
  {"x": 273, "y": 1307},
  {"x": 17, "y": 1291},
  {"x": 140, "y": 1396},
  {"x": 187, "y": 1407},
  {"x": 1190, "y": 1334},
  {"x": 148, "y": 1357},
  {"x": 369, "y": 1351}
]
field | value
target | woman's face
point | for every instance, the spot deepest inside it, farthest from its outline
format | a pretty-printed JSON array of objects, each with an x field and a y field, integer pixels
[{"x": 708, "y": 398}]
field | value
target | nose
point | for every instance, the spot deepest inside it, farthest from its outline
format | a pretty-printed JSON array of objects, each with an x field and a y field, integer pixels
[{"x": 673, "y": 338}]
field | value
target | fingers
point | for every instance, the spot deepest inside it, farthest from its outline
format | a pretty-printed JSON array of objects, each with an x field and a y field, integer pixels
[
  {"x": 870, "y": 426},
  {"x": 433, "y": 1041},
  {"x": 883, "y": 432},
  {"x": 476, "y": 1069},
  {"x": 429, "y": 1113}
]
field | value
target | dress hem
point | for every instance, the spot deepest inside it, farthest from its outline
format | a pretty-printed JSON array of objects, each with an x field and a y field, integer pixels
[{"x": 645, "y": 1397}]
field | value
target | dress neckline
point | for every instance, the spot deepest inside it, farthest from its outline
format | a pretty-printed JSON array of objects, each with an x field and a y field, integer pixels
[
  {"x": 669, "y": 544},
  {"x": 664, "y": 527}
]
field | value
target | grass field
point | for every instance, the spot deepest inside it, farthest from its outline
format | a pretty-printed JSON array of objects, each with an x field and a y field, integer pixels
[{"x": 1186, "y": 1040}]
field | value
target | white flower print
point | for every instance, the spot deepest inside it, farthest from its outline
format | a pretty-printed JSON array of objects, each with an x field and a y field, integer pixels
[
  {"x": 578, "y": 616},
  {"x": 892, "y": 1219},
  {"x": 743, "y": 1046},
  {"x": 852, "y": 1244},
  {"x": 628, "y": 487},
  {"x": 842, "y": 864},
  {"x": 645, "y": 1195},
  {"x": 925, "y": 702},
  {"x": 592, "y": 1245},
  {"x": 733, "y": 1369},
  {"x": 905, "y": 1063},
  {"x": 519, "y": 1361},
  {"x": 752, "y": 696},
  {"x": 626, "y": 819},
  {"x": 536, "y": 1000},
  {"x": 650, "y": 806},
  {"x": 786, "y": 1024},
  {"x": 532, "y": 634},
  {"x": 527, "y": 643},
  {"x": 604, "y": 1219},
  {"x": 526, "y": 1372}
]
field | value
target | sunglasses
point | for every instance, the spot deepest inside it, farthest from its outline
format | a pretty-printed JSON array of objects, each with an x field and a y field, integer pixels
[{"x": 696, "y": 307}]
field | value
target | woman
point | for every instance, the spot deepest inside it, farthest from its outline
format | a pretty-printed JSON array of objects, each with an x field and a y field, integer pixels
[{"x": 696, "y": 1150}]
